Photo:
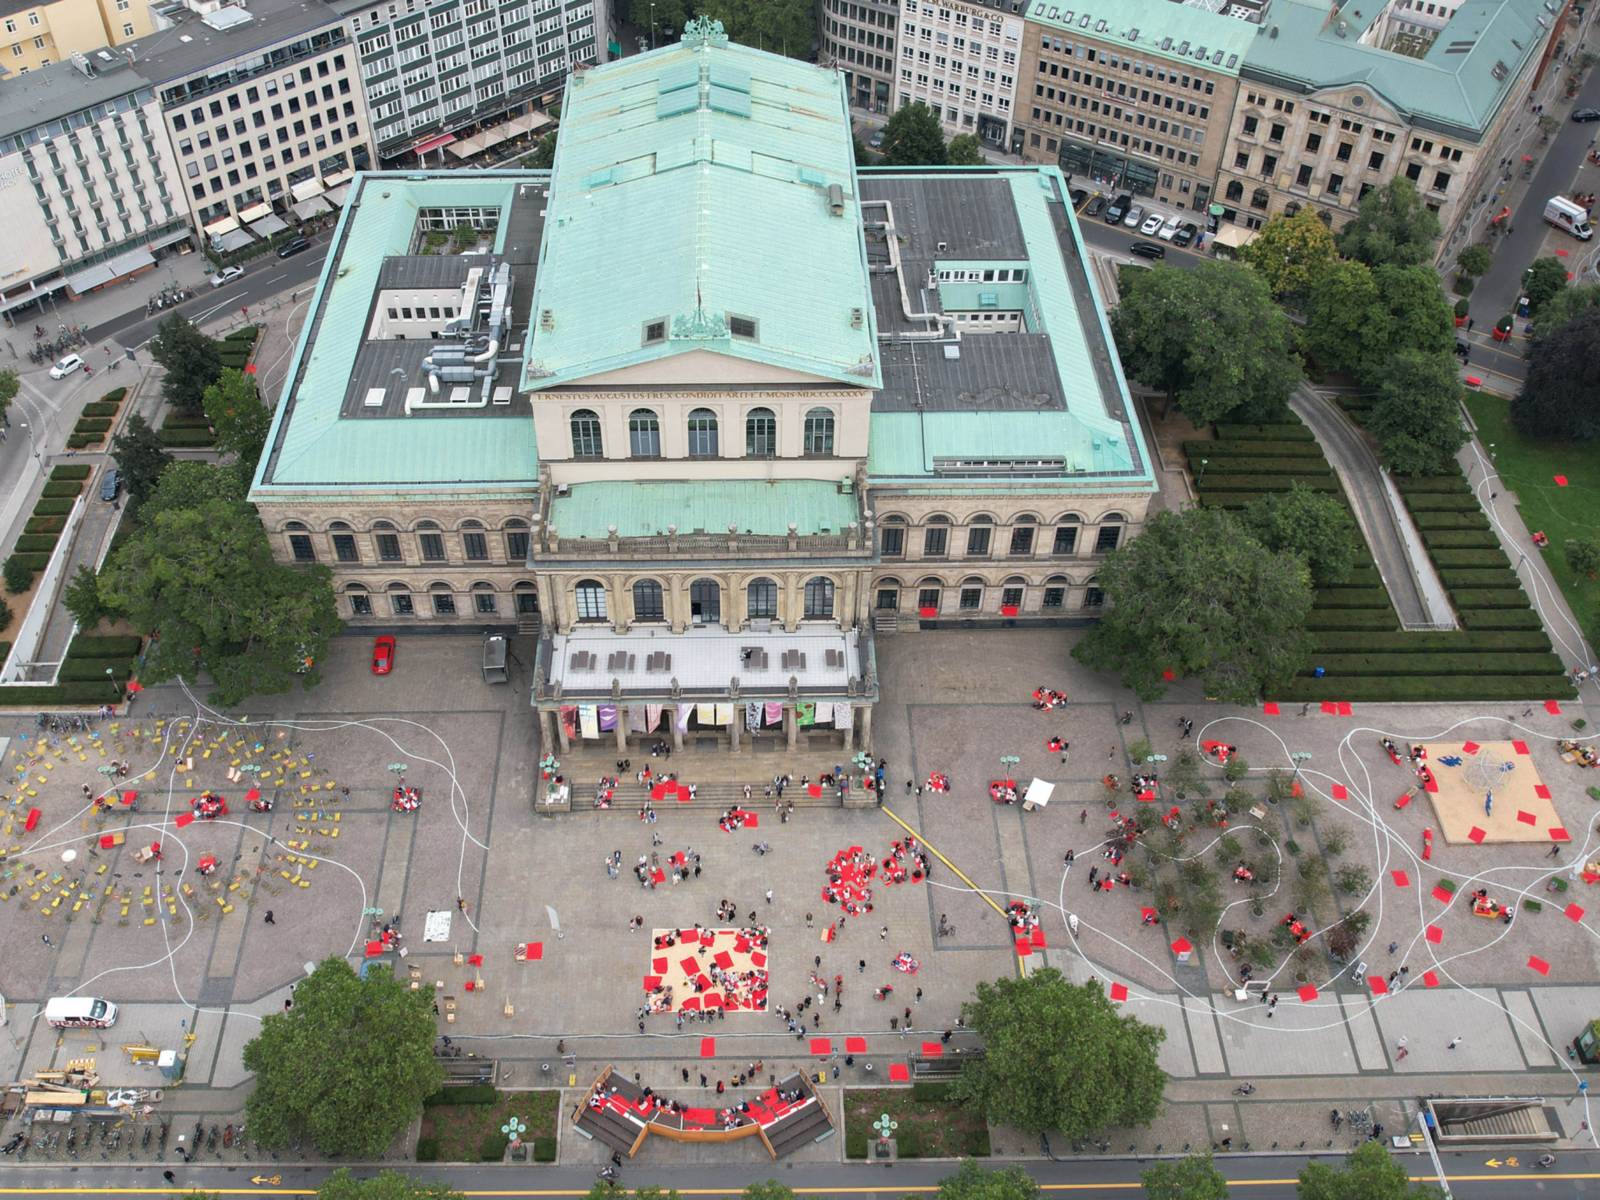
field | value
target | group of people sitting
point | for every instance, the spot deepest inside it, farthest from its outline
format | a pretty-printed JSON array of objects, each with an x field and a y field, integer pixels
[
  {"x": 605, "y": 790},
  {"x": 1578, "y": 754},
  {"x": 732, "y": 818},
  {"x": 1243, "y": 874},
  {"x": 938, "y": 781},
  {"x": 1046, "y": 699},
  {"x": 1482, "y": 906},
  {"x": 895, "y": 870},
  {"x": 740, "y": 987},
  {"x": 1297, "y": 928},
  {"x": 208, "y": 806},
  {"x": 1022, "y": 916},
  {"x": 1003, "y": 791},
  {"x": 406, "y": 799},
  {"x": 261, "y": 803},
  {"x": 1144, "y": 782},
  {"x": 1221, "y": 751}
]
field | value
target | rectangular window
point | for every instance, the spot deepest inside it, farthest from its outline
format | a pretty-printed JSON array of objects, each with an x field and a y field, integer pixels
[
  {"x": 1066, "y": 540},
  {"x": 401, "y": 602},
  {"x": 444, "y": 604},
  {"x": 1107, "y": 539},
  {"x": 928, "y": 598},
  {"x": 432, "y": 547},
  {"x": 1054, "y": 597},
  {"x": 360, "y": 604},
  {"x": 300, "y": 547},
  {"x": 476, "y": 546},
  {"x": 888, "y": 599},
  {"x": 1011, "y": 597},
  {"x": 978, "y": 541},
  {"x": 935, "y": 541},
  {"x": 1022, "y": 540},
  {"x": 517, "y": 546},
  {"x": 344, "y": 548},
  {"x": 971, "y": 599},
  {"x": 483, "y": 603},
  {"x": 388, "y": 547},
  {"x": 894, "y": 541}
]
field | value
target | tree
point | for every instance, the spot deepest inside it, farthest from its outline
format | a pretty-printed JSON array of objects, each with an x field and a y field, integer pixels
[
  {"x": 1557, "y": 397},
  {"x": 9, "y": 386},
  {"x": 347, "y": 1066},
  {"x": 140, "y": 457},
  {"x": 1392, "y": 226},
  {"x": 912, "y": 138},
  {"x": 1314, "y": 525},
  {"x": 83, "y": 600},
  {"x": 1058, "y": 1055},
  {"x": 1417, "y": 419},
  {"x": 768, "y": 1189},
  {"x": 1342, "y": 308},
  {"x": 1195, "y": 594},
  {"x": 1368, "y": 1174},
  {"x": 964, "y": 150},
  {"x": 668, "y": 15},
  {"x": 781, "y": 26},
  {"x": 543, "y": 155},
  {"x": 187, "y": 483},
  {"x": 1542, "y": 281},
  {"x": 1290, "y": 252},
  {"x": 1210, "y": 338},
  {"x": 235, "y": 411},
  {"x": 1583, "y": 556},
  {"x": 972, "y": 1182},
  {"x": 204, "y": 577},
  {"x": 1192, "y": 1178},
  {"x": 191, "y": 359},
  {"x": 1474, "y": 260},
  {"x": 386, "y": 1185},
  {"x": 1416, "y": 317},
  {"x": 1563, "y": 307}
]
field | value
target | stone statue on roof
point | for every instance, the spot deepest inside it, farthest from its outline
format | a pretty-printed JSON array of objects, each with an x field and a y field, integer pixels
[{"x": 703, "y": 31}]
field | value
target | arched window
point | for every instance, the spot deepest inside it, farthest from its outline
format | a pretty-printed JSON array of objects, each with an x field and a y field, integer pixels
[
  {"x": 936, "y": 537},
  {"x": 647, "y": 603},
  {"x": 1235, "y": 191},
  {"x": 340, "y": 525},
  {"x": 1109, "y": 536},
  {"x": 819, "y": 433},
  {"x": 892, "y": 537},
  {"x": 1011, "y": 593},
  {"x": 295, "y": 527},
  {"x": 483, "y": 599},
  {"x": 430, "y": 541},
  {"x": 887, "y": 596},
  {"x": 702, "y": 433},
  {"x": 591, "y": 596},
  {"x": 971, "y": 597},
  {"x": 400, "y": 600},
  {"x": 516, "y": 531},
  {"x": 1055, "y": 593},
  {"x": 585, "y": 434},
  {"x": 705, "y": 602},
  {"x": 760, "y": 433},
  {"x": 1093, "y": 597},
  {"x": 761, "y": 598},
  {"x": 360, "y": 601},
  {"x": 526, "y": 596},
  {"x": 819, "y": 598},
  {"x": 1259, "y": 198},
  {"x": 644, "y": 434},
  {"x": 980, "y": 535},
  {"x": 929, "y": 593},
  {"x": 1291, "y": 208}
]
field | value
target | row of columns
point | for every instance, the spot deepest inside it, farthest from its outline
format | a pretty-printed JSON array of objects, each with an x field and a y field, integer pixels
[{"x": 552, "y": 731}]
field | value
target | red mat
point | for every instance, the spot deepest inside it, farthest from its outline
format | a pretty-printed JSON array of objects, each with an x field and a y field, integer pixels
[
  {"x": 1558, "y": 834},
  {"x": 1329, "y": 708},
  {"x": 1405, "y": 799},
  {"x": 899, "y": 1073},
  {"x": 1538, "y": 964},
  {"x": 1024, "y": 950},
  {"x": 1146, "y": 913},
  {"x": 855, "y": 1045},
  {"x": 821, "y": 1046},
  {"x": 690, "y": 966},
  {"x": 108, "y": 841},
  {"x": 724, "y": 960},
  {"x": 32, "y": 820},
  {"x": 658, "y": 876},
  {"x": 535, "y": 952},
  {"x": 691, "y": 1004},
  {"x": 699, "y": 1116},
  {"x": 1527, "y": 818},
  {"x": 932, "y": 1049},
  {"x": 1308, "y": 993},
  {"x": 1443, "y": 894},
  {"x": 1552, "y": 707},
  {"x": 1182, "y": 946},
  {"x": 659, "y": 965},
  {"x": 1401, "y": 879},
  {"x": 1520, "y": 747},
  {"x": 1037, "y": 938},
  {"x": 128, "y": 798},
  {"x": 1574, "y": 912},
  {"x": 652, "y": 982},
  {"x": 1434, "y": 934},
  {"x": 1561, "y": 480},
  {"x": 1270, "y": 708},
  {"x": 1469, "y": 747},
  {"x": 1429, "y": 979},
  {"x": 376, "y": 948},
  {"x": 708, "y": 1046},
  {"x": 814, "y": 790},
  {"x": 183, "y": 819},
  {"x": 1339, "y": 792},
  {"x": 1476, "y": 835},
  {"x": 757, "y": 958},
  {"x": 1346, "y": 709},
  {"x": 1119, "y": 991},
  {"x": 1541, "y": 791},
  {"x": 1379, "y": 987}
]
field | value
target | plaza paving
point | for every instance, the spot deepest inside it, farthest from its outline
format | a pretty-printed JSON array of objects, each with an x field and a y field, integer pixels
[{"x": 953, "y": 702}]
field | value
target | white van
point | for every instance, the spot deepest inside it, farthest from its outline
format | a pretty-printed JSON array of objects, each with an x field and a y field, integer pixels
[
  {"x": 1564, "y": 214},
  {"x": 80, "y": 1012}
]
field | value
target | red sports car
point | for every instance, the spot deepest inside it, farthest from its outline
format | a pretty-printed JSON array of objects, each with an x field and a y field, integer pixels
[{"x": 382, "y": 655}]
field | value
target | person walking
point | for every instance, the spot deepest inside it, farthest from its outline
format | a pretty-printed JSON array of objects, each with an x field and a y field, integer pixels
[
  {"x": 171, "y": 1179},
  {"x": 1400, "y": 1050},
  {"x": 1454, "y": 1042},
  {"x": 808, "y": 920},
  {"x": 769, "y": 895}
]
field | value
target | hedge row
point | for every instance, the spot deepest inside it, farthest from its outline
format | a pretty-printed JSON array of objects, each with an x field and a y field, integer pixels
[
  {"x": 74, "y": 471},
  {"x": 1500, "y": 618},
  {"x": 1244, "y": 465},
  {"x": 104, "y": 646},
  {"x": 33, "y": 560},
  {"x": 1460, "y": 539},
  {"x": 1478, "y": 577},
  {"x": 1444, "y": 559},
  {"x": 1485, "y": 598},
  {"x": 98, "y": 408},
  {"x": 64, "y": 490},
  {"x": 85, "y": 669},
  {"x": 245, "y": 333},
  {"x": 180, "y": 420},
  {"x": 1450, "y": 520},
  {"x": 1418, "y": 484},
  {"x": 78, "y": 441},
  {"x": 39, "y": 543},
  {"x": 45, "y": 525},
  {"x": 1322, "y": 620},
  {"x": 1407, "y": 665},
  {"x": 186, "y": 437},
  {"x": 1275, "y": 483},
  {"x": 49, "y": 507},
  {"x": 114, "y": 396},
  {"x": 1289, "y": 431},
  {"x": 1453, "y": 641},
  {"x": 1261, "y": 449},
  {"x": 1442, "y": 502},
  {"x": 1352, "y": 597},
  {"x": 1430, "y": 688},
  {"x": 61, "y": 693},
  {"x": 92, "y": 425}
]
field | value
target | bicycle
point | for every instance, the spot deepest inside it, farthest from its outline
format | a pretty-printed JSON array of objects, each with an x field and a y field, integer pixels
[{"x": 1244, "y": 1089}]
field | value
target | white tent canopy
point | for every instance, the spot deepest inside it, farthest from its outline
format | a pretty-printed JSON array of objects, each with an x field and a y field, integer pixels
[{"x": 1038, "y": 795}]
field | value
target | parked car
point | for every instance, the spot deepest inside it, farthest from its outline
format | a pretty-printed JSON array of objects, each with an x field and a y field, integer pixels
[
  {"x": 1134, "y": 217},
  {"x": 66, "y": 366},
  {"x": 1095, "y": 207},
  {"x": 1148, "y": 249},
  {"x": 1584, "y": 115},
  {"x": 1186, "y": 233},
  {"x": 876, "y": 140},
  {"x": 110, "y": 484},
  {"x": 226, "y": 275},
  {"x": 1118, "y": 208},
  {"x": 1152, "y": 224},
  {"x": 1078, "y": 196},
  {"x": 382, "y": 654},
  {"x": 1169, "y": 229},
  {"x": 293, "y": 246}
]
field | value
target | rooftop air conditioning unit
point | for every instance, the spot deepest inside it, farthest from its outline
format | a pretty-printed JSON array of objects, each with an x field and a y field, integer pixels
[
  {"x": 857, "y": 318},
  {"x": 547, "y": 320}
]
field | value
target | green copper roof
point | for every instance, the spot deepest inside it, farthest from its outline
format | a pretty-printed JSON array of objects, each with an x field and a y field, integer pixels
[
  {"x": 753, "y": 506},
  {"x": 692, "y": 184},
  {"x": 1157, "y": 28},
  {"x": 1460, "y": 84},
  {"x": 310, "y": 444}
]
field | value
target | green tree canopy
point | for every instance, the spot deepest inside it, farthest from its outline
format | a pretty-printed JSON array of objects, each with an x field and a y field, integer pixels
[
  {"x": 347, "y": 1067},
  {"x": 1543, "y": 280},
  {"x": 1474, "y": 260},
  {"x": 1342, "y": 309},
  {"x": 386, "y": 1185},
  {"x": 1563, "y": 307},
  {"x": 779, "y": 26},
  {"x": 973, "y": 1182},
  {"x": 188, "y": 482},
  {"x": 913, "y": 138},
  {"x": 669, "y": 15},
  {"x": 235, "y": 411},
  {"x": 1392, "y": 227},
  {"x": 1557, "y": 400},
  {"x": 964, "y": 150},
  {"x": 1211, "y": 338},
  {"x": 140, "y": 457},
  {"x": 543, "y": 155},
  {"x": 1197, "y": 595},
  {"x": 1290, "y": 252},
  {"x": 83, "y": 600},
  {"x": 768, "y": 1189},
  {"x": 1314, "y": 525},
  {"x": 1192, "y": 1178},
  {"x": 1583, "y": 556},
  {"x": 203, "y": 577},
  {"x": 1417, "y": 419},
  {"x": 9, "y": 386},
  {"x": 1059, "y": 1056},
  {"x": 1417, "y": 318},
  {"x": 1368, "y": 1174},
  {"x": 191, "y": 359}
]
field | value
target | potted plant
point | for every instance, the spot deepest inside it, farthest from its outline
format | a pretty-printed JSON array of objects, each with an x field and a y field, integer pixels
[
  {"x": 1461, "y": 312},
  {"x": 1502, "y": 327}
]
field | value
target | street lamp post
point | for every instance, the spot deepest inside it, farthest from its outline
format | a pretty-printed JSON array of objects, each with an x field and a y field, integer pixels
[
  {"x": 652, "y": 24},
  {"x": 1201, "y": 478},
  {"x": 1300, "y": 757}
]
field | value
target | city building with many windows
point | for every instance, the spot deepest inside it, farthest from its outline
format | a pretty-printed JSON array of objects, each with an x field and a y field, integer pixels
[
  {"x": 858, "y": 37},
  {"x": 432, "y": 72},
  {"x": 33, "y": 35},
  {"x": 962, "y": 58},
  {"x": 1132, "y": 96},
  {"x": 707, "y": 406}
]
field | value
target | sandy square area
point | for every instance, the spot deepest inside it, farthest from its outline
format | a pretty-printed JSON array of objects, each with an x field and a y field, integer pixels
[
  {"x": 696, "y": 969},
  {"x": 1464, "y": 773}
]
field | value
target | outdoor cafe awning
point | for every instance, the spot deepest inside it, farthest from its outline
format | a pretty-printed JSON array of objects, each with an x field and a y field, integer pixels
[
  {"x": 113, "y": 268},
  {"x": 433, "y": 143},
  {"x": 255, "y": 212},
  {"x": 229, "y": 242},
  {"x": 466, "y": 147},
  {"x": 221, "y": 226},
  {"x": 338, "y": 177},
  {"x": 338, "y": 195},
  {"x": 315, "y": 206},
  {"x": 268, "y": 225},
  {"x": 306, "y": 188},
  {"x": 1234, "y": 236}
]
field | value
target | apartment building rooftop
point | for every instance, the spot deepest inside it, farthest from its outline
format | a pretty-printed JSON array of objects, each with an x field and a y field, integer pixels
[
  {"x": 1165, "y": 29},
  {"x": 62, "y": 88},
  {"x": 221, "y": 32}
]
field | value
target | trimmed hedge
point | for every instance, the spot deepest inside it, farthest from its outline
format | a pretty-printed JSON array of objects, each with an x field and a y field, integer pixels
[
  {"x": 1460, "y": 539},
  {"x": 1411, "y": 484},
  {"x": 74, "y": 471},
  {"x": 1243, "y": 464},
  {"x": 124, "y": 645},
  {"x": 1466, "y": 598},
  {"x": 1426, "y": 688},
  {"x": 1450, "y": 520},
  {"x": 1352, "y": 597},
  {"x": 115, "y": 395},
  {"x": 92, "y": 425},
  {"x": 245, "y": 333},
  {"x": 1227, "y": 499},
  {"x": 1442, "y": 502},
  {"x": 474, "y": 1093},
  {"x": 1424, "y": 643},
  {"x": 1499, "y": 618},
  {"x": 79, "y": 441},
  {"x": 1469, "y": 558},
  {"x": 1361, "y": 577},
  {"x": 1350, "y": 620},
  {"x": 178, "y": 420},
  {"x": 61, "y": 693},
  {"x": 64, "y": 490},
  {"x": 1292, "y": 431},
  {"x": 41, "y": 525},
  {"x": 97, "y": 408},
  {"x": 1485, "y": 577},
  {"x": 544, "y": 1149},
  {"x": 1234, "y": 482},
  {"x": 1407, "y": 665},
  {"x": 33, "y": 560},
  {"x": 427, "y": 1149},
  {"x": 1261, "y": 449},
  {"x": 50, "y": 507},
  {"x": 186, "y": 437},
  {"x": 82, "y": 670},
  {"x": 37, "y": 543}
]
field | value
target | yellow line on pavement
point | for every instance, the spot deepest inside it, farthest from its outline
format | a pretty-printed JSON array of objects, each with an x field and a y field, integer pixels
[{"x": 933, "y": 850}]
